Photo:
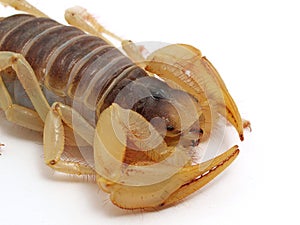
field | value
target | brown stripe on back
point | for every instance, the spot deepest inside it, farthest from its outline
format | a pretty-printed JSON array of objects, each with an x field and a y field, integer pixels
[
  {"x": 9, "y": 23},
  {"x": 58, "y": 75},
  {"x": 46, "y": 43},
  {"x": 104, "y": 78},
  {"x": 17, "y": 39},
  {"x": 98, "y": 64},
  {"x": 87, "y": 71}
]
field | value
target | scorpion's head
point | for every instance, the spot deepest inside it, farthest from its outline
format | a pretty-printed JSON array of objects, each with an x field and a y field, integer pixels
[{"x": 174, "y": 113}]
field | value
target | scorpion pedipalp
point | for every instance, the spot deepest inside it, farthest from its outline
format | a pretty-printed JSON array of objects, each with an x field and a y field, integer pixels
[
  {"x": 121, "y": 130},
  {"x": 186, "y": 66},
  {"x": 149, "y": 182}
]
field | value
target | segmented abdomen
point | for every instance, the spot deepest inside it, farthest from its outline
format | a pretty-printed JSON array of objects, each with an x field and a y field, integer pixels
[{"x": 67, "y": 61}]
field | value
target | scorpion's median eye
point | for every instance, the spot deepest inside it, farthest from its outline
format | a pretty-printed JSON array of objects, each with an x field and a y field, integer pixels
[
  {"x": 170, "y": 128},
  {"x": 158, "y": 94}
]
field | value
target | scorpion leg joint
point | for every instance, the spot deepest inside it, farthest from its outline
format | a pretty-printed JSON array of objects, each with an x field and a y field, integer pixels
[{"x": 54, "y": 143}]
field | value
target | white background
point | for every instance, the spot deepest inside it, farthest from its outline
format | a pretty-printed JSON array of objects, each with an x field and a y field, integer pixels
[{"x": 255, "y": 46}]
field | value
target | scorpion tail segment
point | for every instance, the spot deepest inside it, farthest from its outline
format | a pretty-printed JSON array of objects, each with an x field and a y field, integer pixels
[
  {"x": 170, "y": 191},
  {"x": 185, "y": 65}
]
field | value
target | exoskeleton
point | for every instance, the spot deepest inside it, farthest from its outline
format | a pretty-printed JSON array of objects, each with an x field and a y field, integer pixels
[{"x": 143, "y": 117}]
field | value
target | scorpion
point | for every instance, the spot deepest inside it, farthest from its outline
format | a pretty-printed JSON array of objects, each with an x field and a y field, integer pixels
[{"x": 143, "y": 116}]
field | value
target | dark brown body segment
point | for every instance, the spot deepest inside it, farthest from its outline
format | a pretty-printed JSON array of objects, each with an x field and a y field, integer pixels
[
  {"x": 22, "y": 35},
  {"x": 7, "y": 24},
  {"x": 66, "y": 61},
  {"x": 58, "y": 75},
  {"x": 45, "y": 44}
]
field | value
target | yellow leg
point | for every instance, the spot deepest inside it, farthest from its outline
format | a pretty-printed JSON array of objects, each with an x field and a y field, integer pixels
[
  {"x": 81, "y": 18},
  {"x": 15, "y": 113},
  {"x": 133, "y": 52},
  {"x": 24, "y": 117},
  {"x": 24, "y": 6},
  {"x": 28, "y": 80},
  {"x": 54, "y": 139}
]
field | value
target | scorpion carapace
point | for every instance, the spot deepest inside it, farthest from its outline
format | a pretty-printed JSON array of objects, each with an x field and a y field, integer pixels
[{"x": 143, "y": 117}]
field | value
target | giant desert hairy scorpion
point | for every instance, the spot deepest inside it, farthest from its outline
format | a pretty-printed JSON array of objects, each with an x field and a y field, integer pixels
[{"x": 142, "y": 116}]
